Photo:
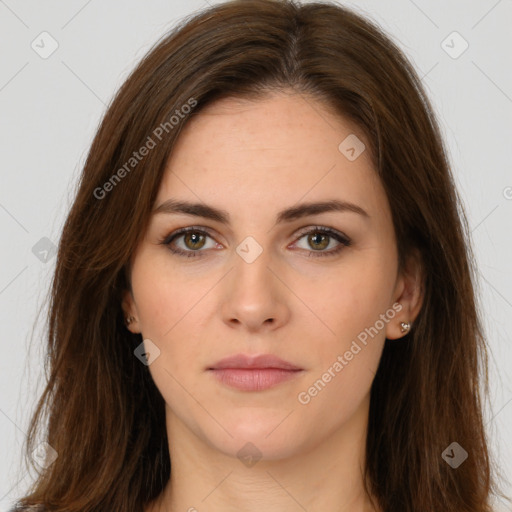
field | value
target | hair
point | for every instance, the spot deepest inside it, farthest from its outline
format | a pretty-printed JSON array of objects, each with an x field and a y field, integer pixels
[{"x": 104, "y": 415}]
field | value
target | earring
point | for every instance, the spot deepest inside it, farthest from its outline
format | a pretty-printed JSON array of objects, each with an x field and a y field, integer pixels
[
  {"x": 405, "y": 326},
  {"x": 129, "y": 320}
]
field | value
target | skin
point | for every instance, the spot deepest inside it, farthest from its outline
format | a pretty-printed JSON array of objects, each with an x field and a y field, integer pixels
[{"x": 253, "y": 159}]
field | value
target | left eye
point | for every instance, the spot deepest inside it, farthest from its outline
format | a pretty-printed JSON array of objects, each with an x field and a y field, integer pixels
[
  {"x": 321, "y": 238},
  {"x": 194, "y": 239}
]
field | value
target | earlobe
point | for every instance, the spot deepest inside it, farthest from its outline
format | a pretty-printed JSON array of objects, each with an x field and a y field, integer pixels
[
  {"x": 405, "y": 326},
  {"x": 398, "y": 328},
  {"x": 409, "y": 294},
  {"x": 129, "y": 312}
]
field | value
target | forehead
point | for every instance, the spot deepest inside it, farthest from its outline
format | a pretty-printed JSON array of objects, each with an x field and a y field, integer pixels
[{"x": 278, "y": 150}]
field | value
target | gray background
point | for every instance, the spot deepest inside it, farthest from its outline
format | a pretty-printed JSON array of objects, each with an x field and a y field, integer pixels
[{"x": 51, "y": 107}]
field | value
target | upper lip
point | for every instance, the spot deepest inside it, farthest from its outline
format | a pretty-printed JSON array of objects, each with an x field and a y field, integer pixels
[{"x": 257, "y": 361}]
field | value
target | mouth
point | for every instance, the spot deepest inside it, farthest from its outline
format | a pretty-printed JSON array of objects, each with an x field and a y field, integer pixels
[
  {"x": 254, "y": 373},
  {"x": 255, "y": 379}
]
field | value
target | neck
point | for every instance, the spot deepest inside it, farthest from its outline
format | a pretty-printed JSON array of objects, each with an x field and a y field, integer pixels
[{"x": 328, "y": 476}]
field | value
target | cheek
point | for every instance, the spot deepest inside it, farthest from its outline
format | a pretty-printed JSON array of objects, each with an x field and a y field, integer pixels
[
  {"x": 350, "y": 299},
  {"x": 168, "y": 307},
  {"x": 350, "y": 332},
  {"x": 165, "y": 297},
  {"x": 348, "y": 350}
]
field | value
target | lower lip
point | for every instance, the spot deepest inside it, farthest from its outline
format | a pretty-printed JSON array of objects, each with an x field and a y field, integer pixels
[{"x": 254, "y": 379}]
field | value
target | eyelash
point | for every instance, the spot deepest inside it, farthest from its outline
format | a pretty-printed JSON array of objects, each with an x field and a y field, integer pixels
[{"x": 342, "y": 239}]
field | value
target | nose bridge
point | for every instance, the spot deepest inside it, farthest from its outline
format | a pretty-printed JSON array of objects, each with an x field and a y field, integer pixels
[
  {"x": 252, "y": 297},
  {"x": 252, "y": 264}
]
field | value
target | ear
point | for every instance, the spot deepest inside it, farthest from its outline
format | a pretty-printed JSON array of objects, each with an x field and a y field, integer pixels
[
  {"x": 130, "y": 311},
  {"x": 409, "y": 292}
]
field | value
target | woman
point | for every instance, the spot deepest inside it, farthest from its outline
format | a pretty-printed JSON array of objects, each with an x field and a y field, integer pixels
[{"x": 264, "y": 292}]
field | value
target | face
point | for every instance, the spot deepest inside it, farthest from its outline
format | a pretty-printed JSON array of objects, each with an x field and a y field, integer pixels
[{"x": 318, "y": 288}]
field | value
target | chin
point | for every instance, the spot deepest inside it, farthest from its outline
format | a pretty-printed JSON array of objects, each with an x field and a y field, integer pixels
[
  {"x": 268, "y": 438},
  {"x": 258, "y": 449}
]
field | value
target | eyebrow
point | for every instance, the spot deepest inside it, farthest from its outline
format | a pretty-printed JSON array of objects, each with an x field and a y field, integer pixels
[{"x": 172, "y": 206}]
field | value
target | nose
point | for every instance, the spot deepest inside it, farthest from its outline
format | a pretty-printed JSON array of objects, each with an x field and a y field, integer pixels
[{"x": 254, "y": 298}]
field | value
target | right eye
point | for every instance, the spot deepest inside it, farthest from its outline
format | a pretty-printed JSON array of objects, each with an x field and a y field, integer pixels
[{"x": 193, "y": 240}]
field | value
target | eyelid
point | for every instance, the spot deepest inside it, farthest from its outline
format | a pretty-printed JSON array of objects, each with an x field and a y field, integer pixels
[
  {"x": 322, "y": 229},
  {"x": 182, "y": 231}
]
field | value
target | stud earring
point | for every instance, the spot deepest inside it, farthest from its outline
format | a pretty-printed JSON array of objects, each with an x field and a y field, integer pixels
[
  {"x": 405, "y": 326},
  {"x": 129, "y": 320}
]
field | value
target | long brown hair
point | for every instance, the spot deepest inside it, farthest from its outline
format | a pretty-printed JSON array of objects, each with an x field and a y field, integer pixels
[{"x": 105, "y": 416}]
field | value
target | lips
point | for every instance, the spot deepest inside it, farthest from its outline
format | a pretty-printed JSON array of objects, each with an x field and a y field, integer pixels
[
  {"x": 253, "y": 373},
  {"x": 242, "y": 361}
]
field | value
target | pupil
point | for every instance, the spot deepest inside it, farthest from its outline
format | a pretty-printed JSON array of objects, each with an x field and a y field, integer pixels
[
  {"x": 194, "y": 239},
  {"x": 318, "y": 241}
]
